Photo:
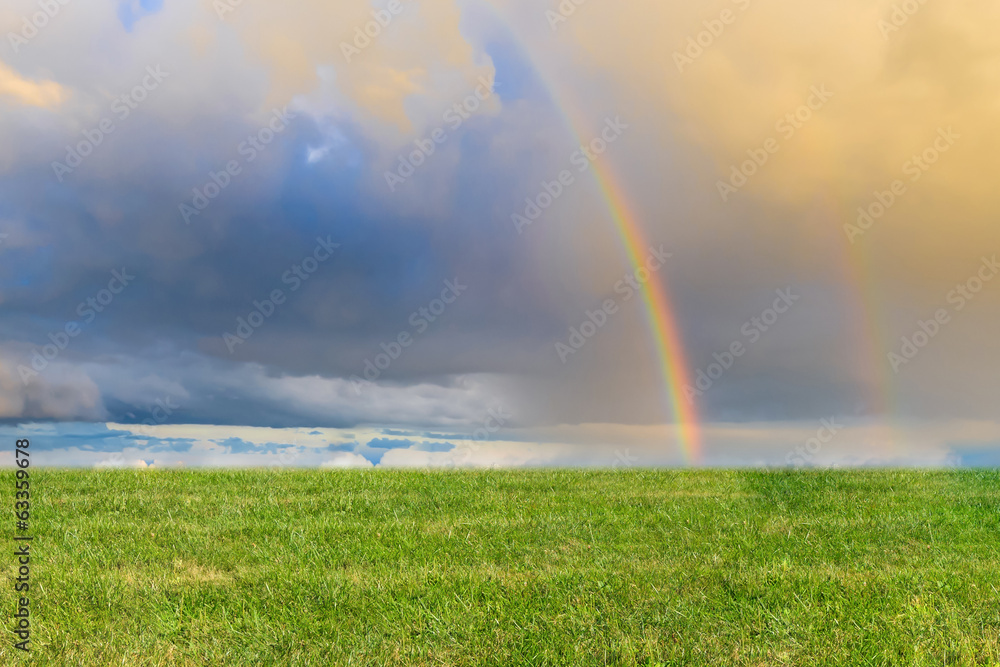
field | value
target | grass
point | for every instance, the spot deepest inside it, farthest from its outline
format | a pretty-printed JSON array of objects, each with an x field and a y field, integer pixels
[{"x": 255, "y": 567}]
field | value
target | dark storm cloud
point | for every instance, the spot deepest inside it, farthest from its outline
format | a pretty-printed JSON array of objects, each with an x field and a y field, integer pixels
[
  {"x": 155, "y": 352},
  {"x": 194, "y": 281}
]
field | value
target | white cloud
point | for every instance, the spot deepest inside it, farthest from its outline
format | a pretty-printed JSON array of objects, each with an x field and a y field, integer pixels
[{"x": 346, "y": 460}]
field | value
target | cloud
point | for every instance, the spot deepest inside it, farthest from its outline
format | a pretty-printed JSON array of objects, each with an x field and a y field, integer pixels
[
  {"x": 831, "y": 441},
  {"x": 62, "y": 392},
  {"x": 324, "y": 176},
  {"x": 418, "y": 58},
  {"x": 346, "y": 460},
  {"x": 17, "y": 90},
  {"x": 891, "y": 95}
]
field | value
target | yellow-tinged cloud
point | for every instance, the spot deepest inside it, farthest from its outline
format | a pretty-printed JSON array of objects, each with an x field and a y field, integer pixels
[
  {"x": 896, "y": 79},
  {"x": 17, "y": 90},
  {"x": 705, "y": 83},
  {"x": 379, "y": 57}
]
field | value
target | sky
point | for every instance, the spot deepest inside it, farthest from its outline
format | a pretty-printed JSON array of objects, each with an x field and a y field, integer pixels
[{"x": 455, "y": 233}]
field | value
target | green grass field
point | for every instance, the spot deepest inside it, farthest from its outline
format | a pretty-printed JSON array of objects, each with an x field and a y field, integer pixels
[{"x": 260, "y": 567}]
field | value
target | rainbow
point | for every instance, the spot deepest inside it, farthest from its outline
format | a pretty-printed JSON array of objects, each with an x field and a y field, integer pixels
[
  {"x": 659, "y": 315},
  {"x": 868, "y": 329},
  {"x": 660, "y": 318}
]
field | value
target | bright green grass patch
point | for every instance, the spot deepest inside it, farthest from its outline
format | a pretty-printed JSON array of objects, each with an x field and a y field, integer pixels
[{"x": 254, "y": 567}]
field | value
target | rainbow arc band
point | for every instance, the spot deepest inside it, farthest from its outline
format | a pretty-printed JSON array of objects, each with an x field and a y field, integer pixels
[
  {"x": 671, "y": 361},
  {"x": 660, "y": 318}
]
